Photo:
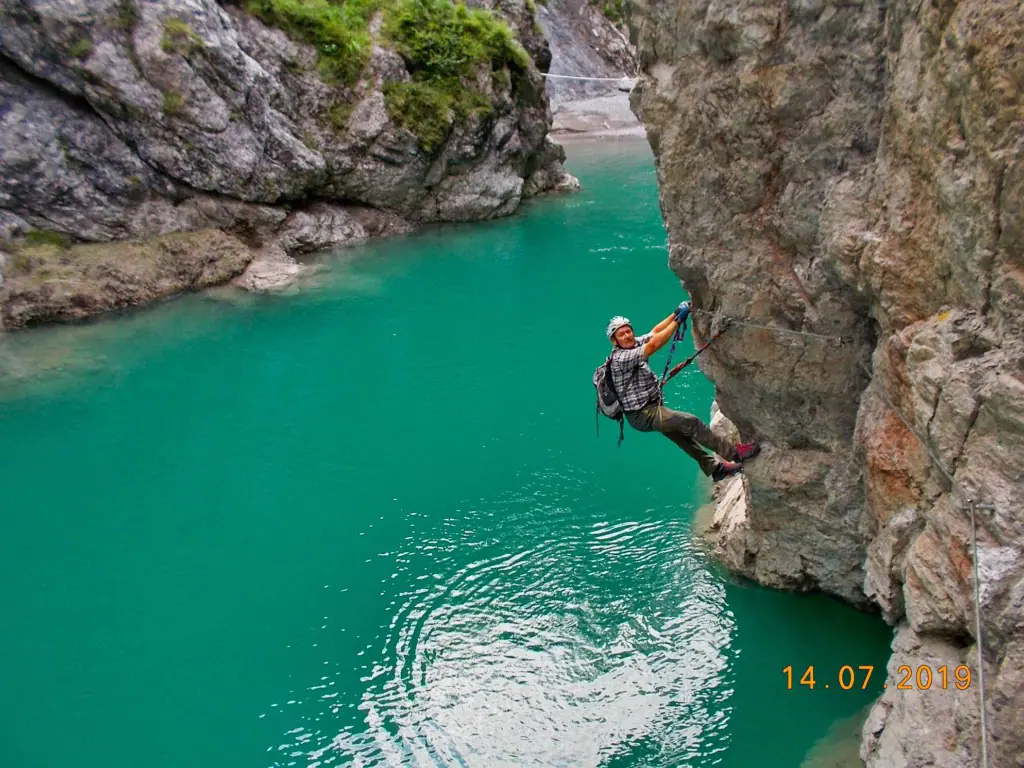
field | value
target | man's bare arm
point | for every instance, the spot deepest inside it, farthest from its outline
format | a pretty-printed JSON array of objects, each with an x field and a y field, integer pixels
[
  {"x": 663, "y": 324},
  {"x": 661, "y": 337}
]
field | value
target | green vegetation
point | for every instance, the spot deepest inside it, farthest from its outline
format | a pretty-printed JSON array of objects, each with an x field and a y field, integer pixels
[
  {"x": 338, "y": 31},
  {"x": 429, "y": 109},
  {"x": 293, "y": 66},
  {"x": 440, "y": 39},
  {"x": 310, "y": 141},
  {"x": 173, "y": 102},
  {"x": 47, "y": 237},
  {"x": 37, "y": 246},
  {"x": 613, "y": 10},
  {"x": 179, "y": 38},
  {"x": 501, "y": 80},
  {"x": 126, "y": 17},
  {"x": 442, "y": 43},
  {"x": 338, "y": 115},
  {"x": 81, "y": 48}
]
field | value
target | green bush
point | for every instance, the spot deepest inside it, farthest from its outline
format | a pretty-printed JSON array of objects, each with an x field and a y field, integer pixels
[
  {"x": 423, "y": 109},
  {"x": 428, "y": 109},
  {"x": 338, "y": 115},
  {"x": 47, "y": 237},
  {"x": 613, "y": 10},
  {"x": 81, "y": 48},
  {"x": 20, "y": 262},
  {"x": 173, "y": 102},
  {"x": 501, "y": 80},
  {"x": 440, "y": 39},
  {"x": 179, "y": 37},
  {"x": 338, "y": 31},
  {"x": 442, "y": 42},
  {"x": 126, "y": 16}
]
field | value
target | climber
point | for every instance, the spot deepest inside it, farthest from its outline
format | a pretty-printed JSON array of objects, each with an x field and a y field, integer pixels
[{"x": 641, "y": 398}]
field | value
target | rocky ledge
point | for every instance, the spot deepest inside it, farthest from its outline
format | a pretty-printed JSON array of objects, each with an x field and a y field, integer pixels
[
  {"x": 264, "y": 128},
  {"x": 847, "y": 180}
]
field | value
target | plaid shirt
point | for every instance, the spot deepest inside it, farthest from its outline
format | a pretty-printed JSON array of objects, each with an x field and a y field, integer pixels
[{"x": 632, "y": 377}]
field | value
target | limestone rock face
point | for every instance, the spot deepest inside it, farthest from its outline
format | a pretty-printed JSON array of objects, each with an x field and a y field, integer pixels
[
  {"x": 584, "y": 42},
  {"x": 847, "y": 180},
  {"x": 125, "y": 120}
]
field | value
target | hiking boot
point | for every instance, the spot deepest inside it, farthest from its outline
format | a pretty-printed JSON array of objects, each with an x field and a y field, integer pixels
[
  {"x": 725, "y": 469},
  {"x": 746, "y": 451}
]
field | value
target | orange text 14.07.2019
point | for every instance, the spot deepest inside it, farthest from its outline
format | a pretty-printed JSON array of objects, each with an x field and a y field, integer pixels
[{"x": 858, "y": 677}]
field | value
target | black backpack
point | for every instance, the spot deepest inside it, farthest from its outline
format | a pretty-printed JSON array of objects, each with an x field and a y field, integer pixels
[{"x": 607, "y": 398}]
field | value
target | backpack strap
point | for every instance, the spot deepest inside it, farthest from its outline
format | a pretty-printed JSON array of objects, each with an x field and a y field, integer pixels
[
  {"x": 611, "y": 379},
  {"x": 611, "y": 384}
]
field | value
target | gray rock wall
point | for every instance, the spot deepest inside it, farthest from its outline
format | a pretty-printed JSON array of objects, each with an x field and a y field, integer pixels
[
  {"x": 584, "y": 42},
  {"x": 115, "y": 124},
  {"x": 854, "y": 170}
]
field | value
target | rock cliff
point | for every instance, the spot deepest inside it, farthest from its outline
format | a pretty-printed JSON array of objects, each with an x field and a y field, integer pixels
[
  {"x": 586, "y": 38},
  {"x": 264, "y": 128},
  {"x": 848, "y": 180}
]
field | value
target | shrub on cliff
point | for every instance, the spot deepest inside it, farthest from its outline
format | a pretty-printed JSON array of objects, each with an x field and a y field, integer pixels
[
  {"x": 442, "y": 44},
  {"x": 338, "y": 31},
  {"x": 428, "y": 109},
  {"x": 440, "y": 39}
]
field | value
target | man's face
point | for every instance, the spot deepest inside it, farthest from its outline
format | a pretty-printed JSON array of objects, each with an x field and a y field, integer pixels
[{"x": 625, "y": 338}]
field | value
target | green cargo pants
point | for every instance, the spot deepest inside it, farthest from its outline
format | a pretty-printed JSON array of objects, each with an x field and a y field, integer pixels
[{"x": 686, "y": 431}]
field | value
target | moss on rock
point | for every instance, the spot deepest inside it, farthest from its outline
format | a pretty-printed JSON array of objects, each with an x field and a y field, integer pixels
[{"x": 52, "y": 282}]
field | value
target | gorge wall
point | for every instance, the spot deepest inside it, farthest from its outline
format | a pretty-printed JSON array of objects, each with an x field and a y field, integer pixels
[
  {"x": 851, "y": 177},
  {"x": 222, "y": 139},
  {"x": 586, "y": 38}
]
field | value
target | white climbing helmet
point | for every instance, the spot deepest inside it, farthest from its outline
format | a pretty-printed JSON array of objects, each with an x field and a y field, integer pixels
[{"x": 614, "y": 324}]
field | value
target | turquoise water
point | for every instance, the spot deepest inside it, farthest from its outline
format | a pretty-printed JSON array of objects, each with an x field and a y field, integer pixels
[{"x": 370, "y": 523}]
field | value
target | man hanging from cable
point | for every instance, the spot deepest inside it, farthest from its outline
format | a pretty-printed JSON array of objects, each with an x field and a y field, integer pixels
[{"x": 640, "y": 396}]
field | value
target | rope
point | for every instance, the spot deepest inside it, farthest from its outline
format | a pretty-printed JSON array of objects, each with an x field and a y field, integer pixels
[
  {"x": 977, "y": 632},
  {"x": 666, "y": 375},
  {"x": 732, "y": 321},
  {"x": 954, "y": 488},
  {"x": 676, "y": 337},
  {"x": 957, "y": 489},
  {"x": 692, "y": 357},
  {"x": 577, "y": 77}
]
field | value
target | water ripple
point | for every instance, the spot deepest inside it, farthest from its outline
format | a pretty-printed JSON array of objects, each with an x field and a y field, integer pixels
[{"x": 546, "y": 655}]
